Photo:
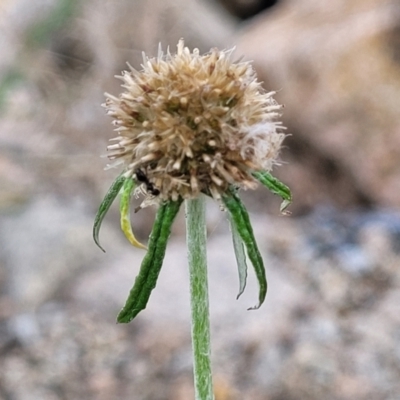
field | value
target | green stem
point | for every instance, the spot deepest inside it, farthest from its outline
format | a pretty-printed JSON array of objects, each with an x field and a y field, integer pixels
[{"x": 196, "y": 237}]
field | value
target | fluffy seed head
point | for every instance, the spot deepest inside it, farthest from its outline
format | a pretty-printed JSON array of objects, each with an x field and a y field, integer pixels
[{"x": 192, "y": 123}]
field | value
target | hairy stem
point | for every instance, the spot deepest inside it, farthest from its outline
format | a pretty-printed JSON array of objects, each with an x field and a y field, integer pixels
[{"x": 196, "y": 236}]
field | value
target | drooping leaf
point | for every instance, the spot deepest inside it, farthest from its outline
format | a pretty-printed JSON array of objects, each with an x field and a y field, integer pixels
[
  {"x": 151, "y": 265},
  {"x": 241, "y": 219},
  {"x": 125, "y": 202},
  {"x": 240, "y": 257},
  {"x": 105, "y": 206},
  {"x": 276, "y": 187}
]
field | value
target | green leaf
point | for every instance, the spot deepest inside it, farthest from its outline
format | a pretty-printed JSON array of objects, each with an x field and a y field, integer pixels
[
  {"x": 125, "y": 202},
  {"x": 146, "y": 280},
  {"x": 240, "y": 257},
  {"x": 240, "y": 218},
  {"x": 276, "y": 187},
  {"x": 105, "y": 206}
]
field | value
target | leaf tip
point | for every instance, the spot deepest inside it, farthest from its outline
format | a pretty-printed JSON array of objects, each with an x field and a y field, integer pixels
[
  {"x": 127, "y": 315},
  {"x": 284, "y": 205},
  {"x": 101, "y": 248},
  {"x": 123, "y": 318},
  {"x": 96, "y": 240},
  {"x": 256, "y": 307},
  {"x": 240, "y": 293}
]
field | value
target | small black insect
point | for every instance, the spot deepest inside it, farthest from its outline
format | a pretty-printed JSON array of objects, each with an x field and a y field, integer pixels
[{"x": 141, "y": 177}]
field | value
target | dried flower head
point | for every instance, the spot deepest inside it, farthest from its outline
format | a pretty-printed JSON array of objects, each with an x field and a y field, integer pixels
[{"x": 190, "y": 124}]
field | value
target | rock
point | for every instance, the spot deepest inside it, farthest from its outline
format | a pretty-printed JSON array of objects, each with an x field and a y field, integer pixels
[
  {"x": 336, "y": 66},
  {"x": 44, "y": 244}
]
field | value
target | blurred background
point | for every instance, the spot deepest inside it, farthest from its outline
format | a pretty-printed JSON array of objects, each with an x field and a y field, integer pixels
[{"x": 330, "y": 326}]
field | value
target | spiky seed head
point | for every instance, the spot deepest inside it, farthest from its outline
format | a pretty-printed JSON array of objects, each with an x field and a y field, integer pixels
[{"x": 194, "y": 123}]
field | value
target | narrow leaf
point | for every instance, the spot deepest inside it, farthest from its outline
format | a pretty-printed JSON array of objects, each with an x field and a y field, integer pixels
[
  {"x": 276, "y": 187},
  {"x": 240, "y": 257},
  {"x": 241, "y": 219},
  {"x": 125, "y": 202},
  {"x": 146, "y": 280},
  {"x": 105, "y": 206}
]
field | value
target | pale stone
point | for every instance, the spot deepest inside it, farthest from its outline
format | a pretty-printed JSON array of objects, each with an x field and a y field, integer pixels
[{"x": 337, "y": 67}]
